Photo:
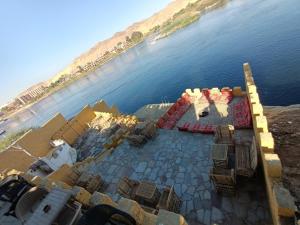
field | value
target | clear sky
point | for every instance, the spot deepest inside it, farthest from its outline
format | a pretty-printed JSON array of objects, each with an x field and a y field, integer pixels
[{"x": 39, "y": 38}]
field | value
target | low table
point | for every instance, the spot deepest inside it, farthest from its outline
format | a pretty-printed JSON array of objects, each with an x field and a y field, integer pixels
[{"x": 147, "y": 194}]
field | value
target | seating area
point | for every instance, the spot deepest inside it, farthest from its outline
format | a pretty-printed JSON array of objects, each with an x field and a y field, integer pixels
[
  {"x": 149, "y": 196},
  {"x": 242, "y": 114},
  {"x": 214, "y": 95},
  {"x": 246, "y": 159},
  {"x": 224, "y": 180},
  {"x": 231, "y": 159},
  {"x": 173, "y": 115}
]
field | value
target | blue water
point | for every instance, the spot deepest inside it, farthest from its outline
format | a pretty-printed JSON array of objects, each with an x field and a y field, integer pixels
[{"x": 208, "y": 53}]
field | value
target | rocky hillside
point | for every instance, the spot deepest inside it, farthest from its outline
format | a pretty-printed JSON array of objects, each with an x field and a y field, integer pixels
[
  {"x": 143, "y": 26},
  {"x": 284, "y": 123}
]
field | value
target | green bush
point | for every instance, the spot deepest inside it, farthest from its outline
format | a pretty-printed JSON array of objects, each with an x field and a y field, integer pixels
[{"x": 136, "y": 36}]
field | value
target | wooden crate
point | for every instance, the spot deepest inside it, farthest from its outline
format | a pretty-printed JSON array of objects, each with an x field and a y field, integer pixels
[{"x": 220, "y": 155}]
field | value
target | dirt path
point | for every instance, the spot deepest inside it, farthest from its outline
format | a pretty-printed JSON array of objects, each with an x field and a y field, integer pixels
[{"x": 284, "y": 123}]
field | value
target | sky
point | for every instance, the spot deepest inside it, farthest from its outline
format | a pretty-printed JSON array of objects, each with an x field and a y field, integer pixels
[{"x": 39, "y": 38}]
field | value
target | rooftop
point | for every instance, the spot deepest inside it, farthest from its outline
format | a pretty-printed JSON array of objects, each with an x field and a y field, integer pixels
[{"x": 184, "y": 160}]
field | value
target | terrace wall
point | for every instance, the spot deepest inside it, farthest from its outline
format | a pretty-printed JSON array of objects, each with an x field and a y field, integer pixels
[
  {"x": 15, "y": 159},
  {"x": 37, "y": 141},
  {"x": 76, "y": 126},
  {"x": 279, "y": 205}
]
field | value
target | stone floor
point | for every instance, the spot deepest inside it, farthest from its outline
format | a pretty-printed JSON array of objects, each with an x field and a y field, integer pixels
[
  {"x": 218, "y": 113},
  {"x": 183, "y": 160}
]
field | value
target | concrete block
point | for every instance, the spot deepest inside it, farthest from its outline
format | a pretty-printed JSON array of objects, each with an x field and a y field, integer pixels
[
  {"x": 132, "y": 208},
  {"x": 254, "y": 98},
  {"x": 247, "y": 70},
  {"x": 251, "y": 88},
  {"x": 273, "y": 165},
  {"x": 237, "y": 91},
  {"x": 81, "y": 195},
  {"x": 226, "y": 89},
  {"x": 284, "y": 201},
  {"x": 99, "y": 198},
  {"x": 170, "y": 218},
  {"x": 261, "y": 124},
  {"x": 48, "y": 184},
  {"x": 197, "y": 92},
  {"x": 189, "y": 91},
  {"x": 249, "y": 82},
  {"x": 266, "y": 142},
  {"x": 215, "y": 91},
  {"x": 257, "y": 109}
]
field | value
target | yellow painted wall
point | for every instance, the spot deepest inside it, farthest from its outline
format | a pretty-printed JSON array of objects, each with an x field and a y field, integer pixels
[
  {"x": 101, "y": 106},
  {"x": 64, "y": 174},
  {"x": 86, "y": 115},
  {"x": 270, "y": 161},
  {"x": 37, "y": 141},
  {"x": 76, "y": 126},
  {"x": 15, "y": 159}
]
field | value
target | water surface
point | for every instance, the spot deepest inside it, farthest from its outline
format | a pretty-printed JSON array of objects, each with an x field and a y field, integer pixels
[{"x": 208, "y": 53}]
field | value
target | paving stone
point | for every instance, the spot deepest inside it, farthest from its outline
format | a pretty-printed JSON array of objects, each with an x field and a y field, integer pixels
[
  {"x": 200, "y": 215},
  {"x": 206, "y": 195},
  {"x": 175, "y": 158},
  {"x": 189, "y": 206},
  {"x": 180, "y": 175},
  {"x": 198, "y": 203},
  {"x": 240, "y": 210},
  {"x": 252, "y": 217},
  {"x": 178, "y": 188},
  {"x": 191, "y": 190},
  {"x": 260, "y": 213},
  {"x": 244, "y": 198},
  {"x": 206, "y": 219},
  {"x": 227, "y": 205},
  {"x": 216, "y": 215},
  {"x": 141, "y": 167}
]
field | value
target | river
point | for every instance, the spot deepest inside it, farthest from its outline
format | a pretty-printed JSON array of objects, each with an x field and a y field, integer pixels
[{"x": 208, "y": 53}]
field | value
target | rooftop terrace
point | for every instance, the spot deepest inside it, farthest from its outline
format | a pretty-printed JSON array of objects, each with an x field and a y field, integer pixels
[
  {"x": 184, "y": 160},
  {"x": 103, "y": 141}
]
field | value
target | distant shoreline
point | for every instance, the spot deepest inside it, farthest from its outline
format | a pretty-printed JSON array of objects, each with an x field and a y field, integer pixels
[{"x": 181, "y": 19}]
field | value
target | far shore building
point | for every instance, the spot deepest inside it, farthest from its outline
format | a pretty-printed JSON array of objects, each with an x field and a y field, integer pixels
[{"x": 31, "y": 93}]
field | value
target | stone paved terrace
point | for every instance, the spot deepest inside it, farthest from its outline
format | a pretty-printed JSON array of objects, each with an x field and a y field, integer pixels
[
  {"x": 183, "y": 160},
  {"x": 219, "y": 114}
]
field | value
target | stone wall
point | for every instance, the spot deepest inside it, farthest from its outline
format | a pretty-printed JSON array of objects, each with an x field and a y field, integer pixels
[{"x": 280, "y": 201}]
